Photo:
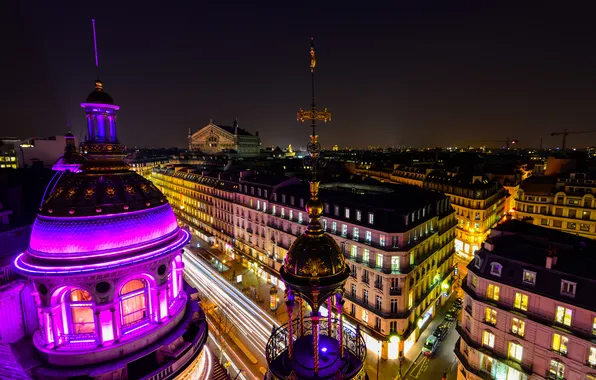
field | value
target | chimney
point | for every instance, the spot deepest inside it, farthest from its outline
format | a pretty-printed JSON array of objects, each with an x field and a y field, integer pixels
[
  {"x": 551, "y": 258},
  {"x": 236, "y": 126},
  {"x": 488, "y": 245}
]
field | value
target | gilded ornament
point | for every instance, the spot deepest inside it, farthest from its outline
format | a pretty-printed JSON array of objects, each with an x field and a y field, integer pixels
[
  {"x": 314, "y": 267},
  {"x": 129, "y": 189},
  {"x": 110, "y": 191},
  {"x": 89, "y": 192},
  {"x": 71, "y": 192}
]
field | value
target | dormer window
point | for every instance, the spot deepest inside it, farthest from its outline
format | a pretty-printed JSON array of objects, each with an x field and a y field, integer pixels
[
  {"x": 347, "y": 213},
  {"x": 495, "y": 269},
  {"x": 568, "y": 288},
  {"x": 477, "y": 262},
  {"x": 529, "y": 277}
]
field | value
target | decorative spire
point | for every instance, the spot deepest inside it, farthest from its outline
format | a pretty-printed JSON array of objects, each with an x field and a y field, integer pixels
[{"x": 314, "y": 207}]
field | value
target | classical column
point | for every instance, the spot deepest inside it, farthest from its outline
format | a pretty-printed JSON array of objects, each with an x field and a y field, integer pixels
[
  {"x": 98, "y": 330},
  {"x": 115, "y": 329},
  {"x": 329, "y": 315},
  {"x": 53, "y": 328},
  {"x": 315, "y": 340},
  {"x": 290, "y": 308},
  {"x": 339, "y": 307}
]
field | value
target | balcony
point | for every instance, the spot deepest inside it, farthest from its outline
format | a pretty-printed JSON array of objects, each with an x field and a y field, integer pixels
[
  {"x": 463, "y": 333},
  {"x": 365, "y": 279},
  {"x": 395, "y": 291},
  {"x": 364, "y": 303},
  {"x": 379, "y": 285}
]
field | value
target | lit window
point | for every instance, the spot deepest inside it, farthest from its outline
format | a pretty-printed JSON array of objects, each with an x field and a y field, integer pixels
[
  {"x": 518, "y": 326},
  {"x": 358, "y": 215},
  {"x": 300, "y": 220},
  {"x": 81, "y": 312},
  {"x": 529, "y": 277},
  {"x": 592, "y": 356},
  {"x": 492, "y": 292},
  {"x": 488, "y": 339},
  {"x": 344, "y": 230},
  {"x": 490, "y": 316},
  {"x": 564, "y": 315},
  {"x": 516, "y": 351},
  {"x": 283, "y": 212},
  {"x": 368, "y": 237},
  {"x": 336, "y": 210},
  {"x": 366, "y": 256},
  {"x": 521, "y": 301},
  {"x": 560, "y": 344},
  {"x": 382, "y": 240},
  {"x": 324, "y": 224},
  {"x": 355, "y": 233},
  {"x": 568, "y": 288},
  {"x": 379, "y": 260},
  {"x": 291, "y": 214},
  {"x": 133, "y": 297},
  {"x": 594, "y": 326},
  {"x": 371, "y": 218},
  {"x": 347, "y": 213},
  {"x": 334, "y": 227},
  {"x": 354, "y": 251},
  {"x": 474, "y": 281},
  {"x": 410, "y": 299},
  {"x": 365, "y": 315},
  {"x": 556, "y": 370},
  {"x": 495, "y": 269},
  {"x": 394, "y": 264}
]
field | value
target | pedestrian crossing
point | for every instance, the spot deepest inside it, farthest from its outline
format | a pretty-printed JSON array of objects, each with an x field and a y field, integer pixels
[{"x": 219, "y": 372}]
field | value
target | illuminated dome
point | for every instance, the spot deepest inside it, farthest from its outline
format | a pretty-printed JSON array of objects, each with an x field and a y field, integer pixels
[
  {"x": 105, "y": 259},
  {"x": 98, "y": 95},
  {"x": 315, "y": 259}
]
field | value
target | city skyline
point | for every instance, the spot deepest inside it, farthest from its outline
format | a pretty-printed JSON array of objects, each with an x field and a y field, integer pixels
[{"x": 408, "y": 74}]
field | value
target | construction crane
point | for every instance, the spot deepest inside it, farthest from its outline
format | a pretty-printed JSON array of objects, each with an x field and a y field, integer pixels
[
  {"x": 565, "y": 134},
  {"x": 507, "y": 142}
]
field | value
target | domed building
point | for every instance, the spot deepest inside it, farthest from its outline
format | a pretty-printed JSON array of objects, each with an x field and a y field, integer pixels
[{"x": 105, "y": 259}]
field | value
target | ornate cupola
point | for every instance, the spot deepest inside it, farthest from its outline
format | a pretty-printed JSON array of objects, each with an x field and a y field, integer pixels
[
  {"x": 101, "y": 113},
  {"x": 315, "y": 271}
]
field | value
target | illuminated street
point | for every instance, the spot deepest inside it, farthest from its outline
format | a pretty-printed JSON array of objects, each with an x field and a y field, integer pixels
[{"x": 252, "y": 325}]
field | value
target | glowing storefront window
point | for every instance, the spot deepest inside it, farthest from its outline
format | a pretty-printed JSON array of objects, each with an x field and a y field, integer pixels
[
  {"x": 81, "y": 312},
  {"x": 133, "y": 297}
]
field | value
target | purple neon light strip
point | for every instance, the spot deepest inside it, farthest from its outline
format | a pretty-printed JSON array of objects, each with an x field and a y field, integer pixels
[
  {"x": 140, "y": 247},
  {"x": 100, "y": 105},
  {"x": 37, "y": 269},
  {"x": 136, "y": 328}
]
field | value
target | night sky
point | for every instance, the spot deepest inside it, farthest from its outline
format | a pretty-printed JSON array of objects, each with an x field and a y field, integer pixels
[{"x": 421, "y": 75}]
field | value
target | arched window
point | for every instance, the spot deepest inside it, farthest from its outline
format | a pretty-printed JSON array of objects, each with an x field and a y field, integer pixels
[
  {"x": 133, "y": 301},
  {"x": 495, "y": 269},
  {"x": 80, "y": 304}
]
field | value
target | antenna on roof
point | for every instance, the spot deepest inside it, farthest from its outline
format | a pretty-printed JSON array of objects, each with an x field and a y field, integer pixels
[{"x": 95, "y": 47}]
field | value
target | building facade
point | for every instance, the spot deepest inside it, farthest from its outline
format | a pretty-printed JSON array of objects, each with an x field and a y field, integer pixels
[
  {"x": 400, "y": 252},
  {"x": 213, "y": 138},
  {"x": 529, "y": 310},
  {"x": 479, "y": 202},
  {"x": 565, "y": 203}
]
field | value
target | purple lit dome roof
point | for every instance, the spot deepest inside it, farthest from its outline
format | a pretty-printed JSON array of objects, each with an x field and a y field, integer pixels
[
  {"x": 102, "y": 208},
  {"x": 99, "y": 95}
]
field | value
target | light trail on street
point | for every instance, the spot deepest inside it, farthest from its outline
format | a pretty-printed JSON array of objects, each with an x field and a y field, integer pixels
[{"x": 250, "y": 320}]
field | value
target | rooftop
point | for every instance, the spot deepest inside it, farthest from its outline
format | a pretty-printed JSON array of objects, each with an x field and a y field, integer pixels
[{"x": 518, "y": 246}]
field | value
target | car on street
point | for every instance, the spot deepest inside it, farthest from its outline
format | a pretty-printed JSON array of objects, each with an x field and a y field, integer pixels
[
  {"x": 458, "y": 302},
  {"x": 450, "y": 316},
  {"x": 441, "y": 331},
  {"x": 430, "y": 346}
]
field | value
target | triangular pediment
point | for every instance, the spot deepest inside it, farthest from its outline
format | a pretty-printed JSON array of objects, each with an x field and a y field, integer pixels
[{"x": 211, "y": 129}]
